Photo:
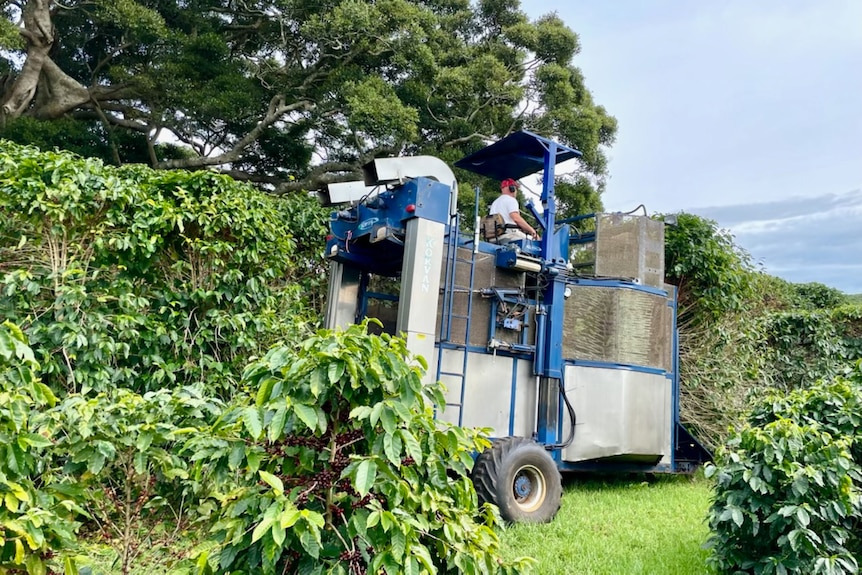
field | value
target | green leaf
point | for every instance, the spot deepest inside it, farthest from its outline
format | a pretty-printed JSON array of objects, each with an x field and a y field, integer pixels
[
  {"x": 34, "y": 440},
  {"x": 272, "y": 481},
  {"x": 289, "y": 516},
  {"x": 236, "y": 456},
  {"x": 252, "y": 421},
  {"x": 264, "y": 390},
  {"x": 316, "y": 384},
  {"x": 399, "y": 543},
  {"x": 373, "y": 519},
  {"x": 276, "y": 425},
  {"x": 366, "y": 473},
  {"x": 387, "y": 418},
  {"x": 336, "y": 370},
  {"x": 803, "y": 517},
  {"x": 306, "y": 414},
  {"x": 19, "y": 552},
  {"x": 392, "y": 448},
  {"x": 310, "y": 543},
  {"x": 375, "y": 413},
  {"x": 411, "y": 445},
  {"x": 264, "y": 526},
  {"x": 35, "y": 565},
  {"x": 360, "y": 412},
  {"x": 313, "y": 518},
  {"x": 278, "y": 534}
]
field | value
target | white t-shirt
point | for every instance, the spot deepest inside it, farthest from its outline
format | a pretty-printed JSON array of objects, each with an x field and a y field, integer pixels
[{"x": 504, "y": 205}]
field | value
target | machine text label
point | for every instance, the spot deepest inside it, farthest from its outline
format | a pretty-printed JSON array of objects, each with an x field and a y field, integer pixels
[
  {"x": 368, "y": 223},
  {"x": 429, "y": 258}
]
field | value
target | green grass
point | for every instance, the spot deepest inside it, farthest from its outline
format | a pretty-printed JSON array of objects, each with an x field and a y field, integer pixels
[
  {"x": 620, "y": 526},
  {"x": 606, "y": 527}
]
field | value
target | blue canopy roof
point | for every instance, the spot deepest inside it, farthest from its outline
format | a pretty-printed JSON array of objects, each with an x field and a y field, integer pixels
[{"x": 517, "y": 155}]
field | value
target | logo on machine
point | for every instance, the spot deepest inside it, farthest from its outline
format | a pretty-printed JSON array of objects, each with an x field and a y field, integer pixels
[
  {"x": 366, "y": 224},
  {"x": 428, "y": 263}
]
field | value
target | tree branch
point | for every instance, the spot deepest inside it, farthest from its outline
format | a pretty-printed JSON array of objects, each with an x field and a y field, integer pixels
[
  {"x": 112, "y": 119},
  {"x": 465, "y": 139},
  {"x": 277, "y": 109}
]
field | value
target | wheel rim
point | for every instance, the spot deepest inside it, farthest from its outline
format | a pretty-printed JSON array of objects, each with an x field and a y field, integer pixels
[{"x": 529, "y": 488}]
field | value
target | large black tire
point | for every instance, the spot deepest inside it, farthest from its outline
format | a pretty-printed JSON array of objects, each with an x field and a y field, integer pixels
[{"x": 520, "y": 477}]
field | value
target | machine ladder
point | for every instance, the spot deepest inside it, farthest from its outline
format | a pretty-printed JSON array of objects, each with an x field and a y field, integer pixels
[{"x": 453, "y": 264}]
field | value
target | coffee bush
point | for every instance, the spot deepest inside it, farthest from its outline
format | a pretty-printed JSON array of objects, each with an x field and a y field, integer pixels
[{"x": 787, "y": 494}]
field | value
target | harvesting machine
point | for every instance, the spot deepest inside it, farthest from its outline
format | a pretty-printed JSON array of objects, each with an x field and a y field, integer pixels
[{"x": 565, "y": 347}]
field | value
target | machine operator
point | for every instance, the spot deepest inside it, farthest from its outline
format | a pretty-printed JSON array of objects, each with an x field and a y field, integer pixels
[{"x": 506, "y": 205}]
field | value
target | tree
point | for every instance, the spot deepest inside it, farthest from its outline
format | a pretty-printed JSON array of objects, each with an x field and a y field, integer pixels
[{"x": 294, "y": 94}]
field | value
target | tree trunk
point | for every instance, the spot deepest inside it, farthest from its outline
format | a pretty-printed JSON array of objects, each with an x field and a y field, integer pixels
[
  {"x": 38, "y": 34},
  {"x": 57, "y": 92}
]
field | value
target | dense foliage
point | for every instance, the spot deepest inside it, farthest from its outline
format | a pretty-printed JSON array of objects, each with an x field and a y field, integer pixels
[
  {"x": 743, "y": 331},
  {"x": 788, "y": 484},
  {"x": 291, "y": 94},
  {"x": 712, "y": 274},
  {"x": 141, "y": 279},
  {"x": 337, "y": 465},
  {"x": 145, "y": 294},
  {"x": 37, "y": 514},
  {"x": 122, "y": 451}
]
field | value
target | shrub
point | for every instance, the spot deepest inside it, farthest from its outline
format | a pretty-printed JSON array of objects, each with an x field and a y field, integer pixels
[
  {"x": 128, "y": 277},
  {"x": 787, "y": 495},
  {"x": 122, "y": 451},
  {"x": 714, "y": 276},
  {"x": 339, "y": 466},
  {"x": 37, "y": 509},
  {"x": 803, "y": 346},
  {"x": 818, "y": 296}
]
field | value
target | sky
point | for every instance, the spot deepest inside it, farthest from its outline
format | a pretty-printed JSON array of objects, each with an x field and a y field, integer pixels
[{"x": 746, "y": 112}]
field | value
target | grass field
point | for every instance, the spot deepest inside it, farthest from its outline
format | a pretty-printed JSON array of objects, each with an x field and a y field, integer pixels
[
  {"x": 610, "y": 526},
  {"x": 620, "y": 526}
]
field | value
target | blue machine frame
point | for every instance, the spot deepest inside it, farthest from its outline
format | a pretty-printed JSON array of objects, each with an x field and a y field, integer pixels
[{"x": 372, "y": 237}]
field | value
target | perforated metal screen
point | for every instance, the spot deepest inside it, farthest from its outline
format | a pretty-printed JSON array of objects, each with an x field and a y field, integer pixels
[
  {"x": 630, "y": 247},
  {"x": 618, "y": 326},
  {"x": 486, "y": 275}
]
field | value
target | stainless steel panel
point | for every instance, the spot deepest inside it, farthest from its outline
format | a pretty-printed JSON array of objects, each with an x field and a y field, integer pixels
[
  {"x": 621, "y": 414},
  {"x": 344, "y": 192},
  {"x": 420, "y": 282},
  {"x": 342, "y": 298},
  {"x": 488, "y": 393}
]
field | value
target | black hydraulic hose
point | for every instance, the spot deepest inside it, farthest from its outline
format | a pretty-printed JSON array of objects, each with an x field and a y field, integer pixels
[
  {"x": 572, "y": 418},
  {"x": 640, "y": 207}
]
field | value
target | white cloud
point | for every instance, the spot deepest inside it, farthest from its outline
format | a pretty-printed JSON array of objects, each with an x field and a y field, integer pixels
[{"x": 815, "y": 239}]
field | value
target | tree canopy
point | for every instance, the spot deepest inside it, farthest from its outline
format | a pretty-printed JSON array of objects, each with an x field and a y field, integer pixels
[{"x": 290, "y": 94}]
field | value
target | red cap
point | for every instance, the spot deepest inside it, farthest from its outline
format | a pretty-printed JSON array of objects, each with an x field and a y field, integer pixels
[{"x": 509, "y": 182}]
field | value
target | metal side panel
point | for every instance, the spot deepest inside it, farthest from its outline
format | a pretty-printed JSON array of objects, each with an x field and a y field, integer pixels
[
  {"x": 342, "y": 298},
  {"x": 525, "y": 400},
  {"x": 420, "y": 283},
  {"x": 487, "y": 397},
  {"x": 621, "y": 414}
]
